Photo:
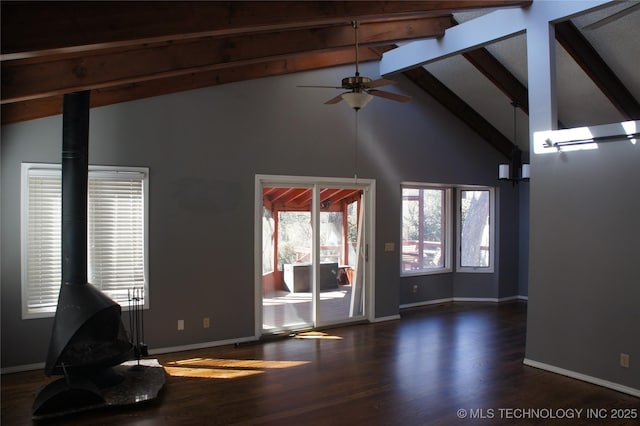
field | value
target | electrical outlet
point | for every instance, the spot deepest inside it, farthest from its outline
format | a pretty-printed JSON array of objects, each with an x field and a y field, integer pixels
[
  {"x": 624, "y": 360},
  {"x": 180, "y": 325},
  {"x": 414, "y": 289},
  {"x": 205, "y": 322}
]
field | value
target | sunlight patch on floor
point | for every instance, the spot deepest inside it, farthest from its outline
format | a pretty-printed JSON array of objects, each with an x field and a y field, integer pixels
[
  {"x": 209, "y": 373},
  {"x": 316, "y": 335},
  {"x": 210, "y": 368}
]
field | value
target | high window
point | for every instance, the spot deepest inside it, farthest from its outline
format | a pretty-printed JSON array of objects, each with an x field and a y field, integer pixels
[
  {"x": 117, "y": 259},
  {"x": 426, "y": 229}
]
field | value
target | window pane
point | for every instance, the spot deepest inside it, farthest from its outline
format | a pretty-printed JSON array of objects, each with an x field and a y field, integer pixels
[
  {"x": 433, "y": 228},
  {"x": 423, "y": 229},
  {"x": 331, "y": 237},
  {"x": 294, "y": 236},
  {"x": 475, "y": 228}
]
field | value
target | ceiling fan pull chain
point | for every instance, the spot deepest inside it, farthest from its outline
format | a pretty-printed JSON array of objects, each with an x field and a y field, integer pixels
[{"x": 355, "y": 150}]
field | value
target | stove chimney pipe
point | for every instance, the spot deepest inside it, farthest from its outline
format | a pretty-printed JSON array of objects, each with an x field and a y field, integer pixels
[{"x": 75, "y": 165}]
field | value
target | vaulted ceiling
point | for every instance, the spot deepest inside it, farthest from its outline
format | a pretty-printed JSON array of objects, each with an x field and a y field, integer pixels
[{"x": 124, "y": 51}]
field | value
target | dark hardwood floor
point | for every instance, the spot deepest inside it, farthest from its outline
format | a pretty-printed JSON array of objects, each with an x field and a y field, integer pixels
[{"x": 419, "y": 370}]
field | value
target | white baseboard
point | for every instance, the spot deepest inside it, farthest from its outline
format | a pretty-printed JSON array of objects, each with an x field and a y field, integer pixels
[
  {"x": 476, "y": 299},
  {"x": 389, "y": 318},
  {"x": 203, "y": 345},
  {"x": 487, "y": 299},
  {"x": 575, "y": 375},
  {"x": 463, "y": 299},
  {"x": 426, "y": 303}
]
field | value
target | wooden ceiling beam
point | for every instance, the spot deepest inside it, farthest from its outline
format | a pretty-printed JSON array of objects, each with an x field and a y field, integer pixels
[
  {"x": 26, "y": 79},
  {"x": 425, "y": 80},
  {"x": 52, "y": 105},
  {"x": 71, "y": 25},
  {"x": 597, "y": 69},
  {"x": 500, "y": 76}
]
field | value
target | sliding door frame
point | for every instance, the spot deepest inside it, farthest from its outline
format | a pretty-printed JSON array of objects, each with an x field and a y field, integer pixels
[{"x": 368, "y": 206}]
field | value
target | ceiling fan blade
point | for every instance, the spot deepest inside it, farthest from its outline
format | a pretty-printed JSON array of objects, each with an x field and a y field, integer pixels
[
  {"x": 388, "y": 95},
  {"x": 334, "y": 100},
  {"x": 378, "y": 83},
  {"x": 322, "y": 87},
  {"x": 615, "y": 16}
]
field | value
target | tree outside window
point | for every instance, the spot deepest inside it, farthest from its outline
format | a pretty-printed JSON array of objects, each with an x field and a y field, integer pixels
[{"x": 475, "y": 234}]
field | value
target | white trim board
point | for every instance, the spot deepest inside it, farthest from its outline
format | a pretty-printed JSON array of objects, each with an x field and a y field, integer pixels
[
  {"x": 383, "y": 319},
  {"x": 585, "y": 378},
  {"x": 203, "y": 345},
  {"x": 463, "y": 299}
]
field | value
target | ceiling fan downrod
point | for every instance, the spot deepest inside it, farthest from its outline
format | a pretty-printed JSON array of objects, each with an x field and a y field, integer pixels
[{"x": 356, "y": 25}]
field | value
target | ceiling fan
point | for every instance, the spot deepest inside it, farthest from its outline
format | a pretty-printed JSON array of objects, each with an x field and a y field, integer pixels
[{"x": 360, "y": 89}]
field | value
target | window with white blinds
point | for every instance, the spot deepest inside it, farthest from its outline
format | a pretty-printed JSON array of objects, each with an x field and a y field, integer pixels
[{"x": 117, "y": 238}]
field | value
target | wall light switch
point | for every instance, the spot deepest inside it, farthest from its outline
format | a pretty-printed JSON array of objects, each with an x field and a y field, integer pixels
[{"x": 180, "y": 325}]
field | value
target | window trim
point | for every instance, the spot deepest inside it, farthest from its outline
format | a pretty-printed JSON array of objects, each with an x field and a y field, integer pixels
[
  {"x": 492, "y": 230},
  {"x": 447, "y": 252},
  {"x": 56, "y": 170}
]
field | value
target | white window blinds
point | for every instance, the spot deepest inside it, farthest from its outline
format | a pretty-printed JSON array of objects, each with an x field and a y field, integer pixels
[
  {"x": 116, "y": 233},
  {"x": 116, "y": 260},
  {"x": 42, "y": 242}
]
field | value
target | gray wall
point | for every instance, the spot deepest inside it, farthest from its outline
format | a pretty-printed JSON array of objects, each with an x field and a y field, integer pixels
[
  {"x": 203, "y": 149},
  {"x": 584, "y": 286}
]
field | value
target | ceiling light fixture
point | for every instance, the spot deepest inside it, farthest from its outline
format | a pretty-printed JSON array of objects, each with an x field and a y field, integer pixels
[
  {"x": 515, "y": 170},
  {"x": 357, "y": 100}
]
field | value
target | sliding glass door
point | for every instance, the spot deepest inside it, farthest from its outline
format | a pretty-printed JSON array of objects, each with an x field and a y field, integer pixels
[
  {"x": 312, "y": 250},
  {"x": 287, "y": 272},
  {"x": 340, "y": 224}
]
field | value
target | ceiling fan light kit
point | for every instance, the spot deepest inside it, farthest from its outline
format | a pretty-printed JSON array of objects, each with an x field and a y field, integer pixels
[
  {"x": 361, "y": 89},
  {"x": 356, "y": 100}
]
